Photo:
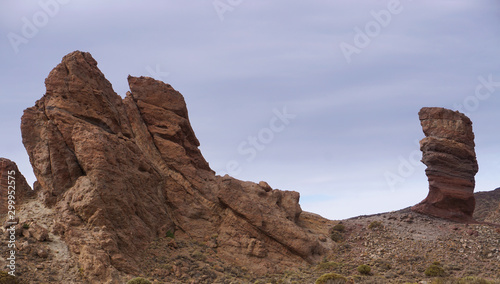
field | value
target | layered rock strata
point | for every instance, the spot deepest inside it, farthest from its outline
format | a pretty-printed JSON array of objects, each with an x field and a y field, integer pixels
[
  {"x": 448, "y": 153},
  {"x": 122, "y": 172}
]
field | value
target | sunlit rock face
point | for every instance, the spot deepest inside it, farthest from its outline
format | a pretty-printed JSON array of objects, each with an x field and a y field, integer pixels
[{"x": 122, "y": 172}]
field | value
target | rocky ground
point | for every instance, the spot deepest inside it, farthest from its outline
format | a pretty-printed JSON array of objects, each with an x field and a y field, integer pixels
[{"x": 397, "y": 246}]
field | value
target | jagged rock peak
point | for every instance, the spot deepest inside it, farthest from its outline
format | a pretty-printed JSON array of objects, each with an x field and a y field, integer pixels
[
  {"x": 123, "y": 172},
  {"x": 448, "y": 153}
]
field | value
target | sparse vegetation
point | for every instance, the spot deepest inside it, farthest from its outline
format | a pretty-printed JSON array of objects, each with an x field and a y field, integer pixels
[
  {"x": 336, "y": 236},
  {"x": 331, "y": 278},
  {"x": 327, "y": 265},
  {"x": 337, "y": 233},
  {"x": 364, "y": 269},
  {"x": 375, "y": 225},
  {"x": 474, "y": 280},
  {"x": 170, "y": 234},
  {"x": 5, "y": 278},
  {"x": 339, "y": 228},
  {"x": 435, "y": 270},
  {"x": 139, "y": 280},
  {"x": 382, "y": 265},
  {"x": 465, "y": 280}
]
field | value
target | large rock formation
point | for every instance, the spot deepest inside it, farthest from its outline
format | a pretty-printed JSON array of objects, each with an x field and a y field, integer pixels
[
  {"x": 19, "y": 188},
  {"x": 448, "y": 153},
  {"x": 122, "y": 172}
]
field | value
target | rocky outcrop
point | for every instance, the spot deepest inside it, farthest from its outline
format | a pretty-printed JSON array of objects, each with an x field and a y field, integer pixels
[
  {"x": 448, "y": 153},
  {"x": 487, "y": 206},
  {"x": 123, "y": 172},
  {"x": 13, "y": 184}
]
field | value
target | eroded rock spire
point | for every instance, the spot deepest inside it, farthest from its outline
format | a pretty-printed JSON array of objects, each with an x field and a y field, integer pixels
[{"x": 448, "y": 152}]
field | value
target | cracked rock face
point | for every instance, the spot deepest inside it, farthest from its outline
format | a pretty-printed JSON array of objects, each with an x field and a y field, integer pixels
[
  {"x": 448, "y": 153},
  {"x": 122, "y": 172}
]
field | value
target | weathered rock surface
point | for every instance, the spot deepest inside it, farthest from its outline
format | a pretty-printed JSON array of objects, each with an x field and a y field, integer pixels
[
  {"x": 487, "y": 206},
  {"x": 448, "y": 153},
  {"x": 11, "y": 176},
  {"x": 123, "y": 172}
]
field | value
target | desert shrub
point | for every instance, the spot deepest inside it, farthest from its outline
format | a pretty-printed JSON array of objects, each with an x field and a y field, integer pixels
[
  {"x": 5, "y": 278},
  {"x": 170, "y": 234},
  {"x": 474, "y": 280},
  {"x": 364, "y": 269},
  {"x": 337, "y": 233},
  {"x": 435, "y": 270},
  {"x": 383, "y": 265},
  {"x": 465, "y": 280},
  {"x": 336, "y": 236},
  {"x": 375, "y": 225},
  {"x": 371, "y": 280},
  {"x": 331, "y": 278},
  {"x": 139, "y": 280},
  {"x": 328, "y": 265},
  {"x": 339, "y": 228}
]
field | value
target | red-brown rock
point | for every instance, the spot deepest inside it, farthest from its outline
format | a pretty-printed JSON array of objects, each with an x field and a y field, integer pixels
[
  {"x": 12, "y": 181},
  {"x": 123, "y": 172},
  {"x": 448, "y": 153}
]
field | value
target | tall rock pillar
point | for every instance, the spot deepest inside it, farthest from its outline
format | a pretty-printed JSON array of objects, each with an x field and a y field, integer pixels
[{"x": 448, "y": 153}]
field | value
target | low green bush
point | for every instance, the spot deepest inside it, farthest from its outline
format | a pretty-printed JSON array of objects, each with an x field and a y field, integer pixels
[
  {"x": 331, "y": 278},
  {"x": 435, "y": 270},
  {"x": 328, "y": 265},
  {"x": 364, "y": 269},
  {"x": 339, "y": 228},
  {"x": 375, "y": 225},
  {"x": 336, "y": 236},
  {"x": 337, "y": 233},
  {"x": 170, "y": 234}
]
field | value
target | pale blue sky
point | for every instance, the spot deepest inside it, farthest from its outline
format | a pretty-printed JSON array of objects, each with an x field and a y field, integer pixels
[{"x": 318, "y": 97}]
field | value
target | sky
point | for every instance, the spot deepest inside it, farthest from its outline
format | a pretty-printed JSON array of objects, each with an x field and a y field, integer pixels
[{"x": 320, "y": 97}]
